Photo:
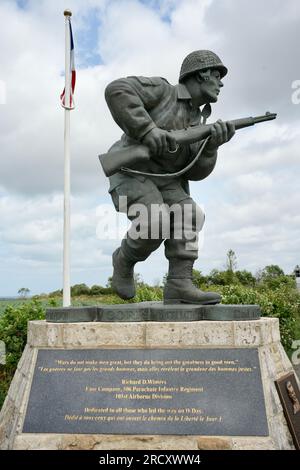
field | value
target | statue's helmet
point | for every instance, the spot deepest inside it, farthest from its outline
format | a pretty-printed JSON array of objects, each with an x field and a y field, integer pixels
[{"x": 201, "y": 60}]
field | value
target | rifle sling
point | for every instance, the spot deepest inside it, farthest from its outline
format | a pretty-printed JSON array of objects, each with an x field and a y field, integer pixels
[{"x": 169, "y": 175}]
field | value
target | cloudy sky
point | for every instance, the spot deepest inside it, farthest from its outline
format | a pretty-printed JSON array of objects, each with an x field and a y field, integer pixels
[{"x": 251, "y": 200}]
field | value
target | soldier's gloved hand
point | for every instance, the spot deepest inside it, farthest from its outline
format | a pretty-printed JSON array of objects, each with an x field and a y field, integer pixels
[
  {"x": 159, "y": 141},
  {"x": 221, "y": 133}
]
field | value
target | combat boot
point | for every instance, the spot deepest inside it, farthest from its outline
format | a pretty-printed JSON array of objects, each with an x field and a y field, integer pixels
[
  {"x": 122, "y": 279},
  {"x": 180, "y": 289}
]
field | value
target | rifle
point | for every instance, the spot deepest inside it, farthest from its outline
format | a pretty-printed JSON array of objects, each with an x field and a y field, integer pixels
[{"x": 112, "y": 162}]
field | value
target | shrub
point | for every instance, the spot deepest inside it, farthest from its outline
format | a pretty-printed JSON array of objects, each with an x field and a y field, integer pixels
[
  {"x": 96, "y": 290},
  {"x": 245, "y": 278},
  {"x": 148, "y": 294},
  {"x": 278, "y": 282},
  {"x": 13, "y": 332},
  {"x": 283, "y": 303},
  {"x": 80, "y": 289},
  {"x": 198, "y": 278},
  {"x": 56, "y": 293},
  {"x": 271, "y": 271},
  {"x": 221, "y": 278},
  {"x": 107, "y": 291}
]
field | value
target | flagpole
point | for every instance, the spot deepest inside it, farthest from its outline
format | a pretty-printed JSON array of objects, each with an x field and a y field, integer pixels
[{"x": 67, "y": 185}]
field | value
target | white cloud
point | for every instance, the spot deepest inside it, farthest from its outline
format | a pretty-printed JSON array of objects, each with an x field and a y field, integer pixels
[
  {"x": 31, "y": 241},
  {"x": 254, "y": 183}
]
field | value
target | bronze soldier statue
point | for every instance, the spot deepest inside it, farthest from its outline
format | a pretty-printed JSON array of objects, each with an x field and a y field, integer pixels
[{"x": 147, "y": 109}]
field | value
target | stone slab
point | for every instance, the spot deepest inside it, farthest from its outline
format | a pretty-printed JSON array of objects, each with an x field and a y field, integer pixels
[
  {"x": 153, "y": 312},
  {"x": 262, "y": 334},
  {"x": 43, "y": 334},
  {"x": 166, "y": 391}
]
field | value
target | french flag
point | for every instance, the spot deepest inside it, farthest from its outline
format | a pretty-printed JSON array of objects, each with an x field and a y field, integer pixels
[{"x": 71, "y": 104}]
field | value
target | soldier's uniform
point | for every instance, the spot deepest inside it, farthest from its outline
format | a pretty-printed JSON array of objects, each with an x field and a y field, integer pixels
[{"x": 139, "y": 104}]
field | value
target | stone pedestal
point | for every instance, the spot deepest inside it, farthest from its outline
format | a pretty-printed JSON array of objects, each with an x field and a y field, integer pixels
[{"x": 262, "y": 334}]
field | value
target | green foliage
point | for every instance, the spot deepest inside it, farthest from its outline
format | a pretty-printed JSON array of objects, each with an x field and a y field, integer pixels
[
  {"x": 245, "y": 278},
  {"x": 272, "y": 271},
  {"x": 56, "y": 293},
  {"x": 283, "y": 303},
  {"x": 273, "y": 277},
  {"x": 99, "y": 290},
  {"x": 96, "y": 290},
  {"x": 14, "y": 302},
  {"x": 148, "y": 294},
  {"x": 221, "y": 278},
  {"x": 13, "y": 332},
  {"x": 80, "y": 289},
  {"x": 198, "y": 278},
  {"x": 5, "y": 379},
  {"x": 13, "y": 328},
  {"x": 278, "y": 282},
  {"x": 53, "y": 303}
]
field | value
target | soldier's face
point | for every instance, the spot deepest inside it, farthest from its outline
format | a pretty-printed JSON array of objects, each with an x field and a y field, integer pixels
[{"x": 211, "y": 86}]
